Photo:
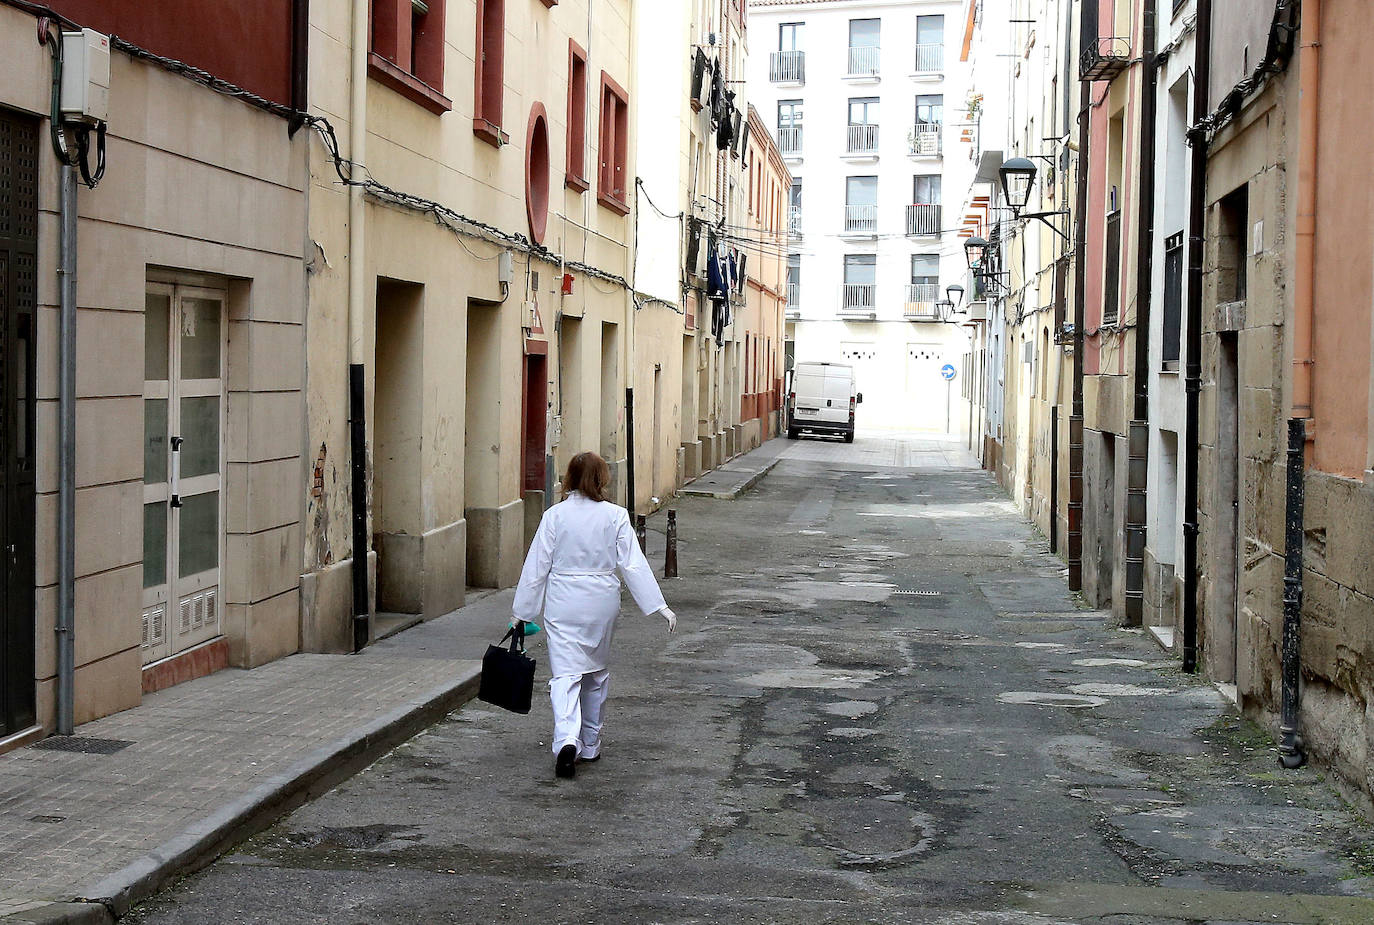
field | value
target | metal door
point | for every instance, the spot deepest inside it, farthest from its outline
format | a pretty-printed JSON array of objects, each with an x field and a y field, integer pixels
[
  {"x": 183, "y": 415},
  {"x": 18, "y": 296}
]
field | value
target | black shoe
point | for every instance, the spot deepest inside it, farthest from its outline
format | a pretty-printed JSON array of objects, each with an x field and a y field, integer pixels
[
  {"x": 596, "y": 757},
  {"x": 566, "y": 765}
]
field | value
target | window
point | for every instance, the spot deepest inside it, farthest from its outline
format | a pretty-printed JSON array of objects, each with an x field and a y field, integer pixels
[
  {"x": 930, "y": 109},
  {"x": 1173, "y": 299},
  {"x": 793, "y": 280},
  {"x": 789, "y": 36},
  {"x": 864, "y": 33},
  {"x": 1111, "y": 282},
  {"x": 864, "y": 53},
  {"x": 860, "y": 282},
  {"x": 925, "y": 269},
  {"x": 863, "y": 126},
  {"x": 790, "y": 127},
  {"x": 576, "y": 173},
  {"x": 925, "y": 189},
  {"x": 407, "y": 51},
  {"x": 930, "y": 31},
  {"x": 861, "y": 205},
  {"x": 863, "y": 111},
  {"x": 615, "y": 145},
  {"x": 1233, "y": 224},
  {"x": 489, "y": 85}
]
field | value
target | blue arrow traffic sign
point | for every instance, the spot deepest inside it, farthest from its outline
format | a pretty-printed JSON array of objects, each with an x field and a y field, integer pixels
[{"x": 948, "y": 372}]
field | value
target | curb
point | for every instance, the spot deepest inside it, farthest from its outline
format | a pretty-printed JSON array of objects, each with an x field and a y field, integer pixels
[
  {"x": 106, "y": 900},
  {"x": 732, "y": 493}
]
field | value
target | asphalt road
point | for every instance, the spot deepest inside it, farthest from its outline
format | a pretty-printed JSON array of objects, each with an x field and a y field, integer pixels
[{"x": 881, "y": 705}]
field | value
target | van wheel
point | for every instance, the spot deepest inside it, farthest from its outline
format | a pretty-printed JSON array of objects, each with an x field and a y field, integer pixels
[
  {"x": 792, "y": 433},
  {"x": 849, "y": 437}
]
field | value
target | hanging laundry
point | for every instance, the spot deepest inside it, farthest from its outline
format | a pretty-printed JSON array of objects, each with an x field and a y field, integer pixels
[
  {"x": 729, "y": 120},
  {"x": 717, "y": 98}
]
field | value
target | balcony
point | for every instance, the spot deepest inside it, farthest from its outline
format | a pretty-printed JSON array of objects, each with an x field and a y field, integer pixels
[
  {"x": 930, "y": 59},
  {"x": 787, "y": 67},
  {"x": 793, "y": 309},
  {"x": 923, "y": 220},
  {"x": 794, "y": 222},
  {"x": 861, "y": 221},
  {"x": 859, "y": 299},
  {"x": 790, "y": 141},
  {"x": 1103, "y": 58},
  {"x": 862, "y": 141},
  {"x": 920, "y": 302},
  {"x": 927, "y": 139},
  {"x": 865, "y": 61}
]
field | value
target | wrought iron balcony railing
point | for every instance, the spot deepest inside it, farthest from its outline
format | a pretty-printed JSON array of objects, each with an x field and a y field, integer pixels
[
  {"x": 863, "y": 139},
  {"x": 861, "y": 220},
  {"x": 858, "y": 297},
  {"x": 927, "y": 139},
  {"x": 790, "y": 141},
  {"x": 923, "y": 219},
  {"x": 930, "y": 58},
  {"x": 865, "y": 60},
  {"x": 794, "y": 221},
  {"x": 787, "y": 67},
  {"x": 920, "y": 302}
]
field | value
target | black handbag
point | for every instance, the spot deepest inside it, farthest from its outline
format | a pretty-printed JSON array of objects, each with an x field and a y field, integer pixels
[{"x": 508, "y": 674}]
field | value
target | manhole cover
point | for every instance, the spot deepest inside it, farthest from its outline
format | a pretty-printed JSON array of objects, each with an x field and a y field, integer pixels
[{"x": 86, "y": 745}]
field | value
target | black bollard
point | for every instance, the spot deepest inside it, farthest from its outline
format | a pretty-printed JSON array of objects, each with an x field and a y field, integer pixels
[
  {"x": 670, "y": 558},
  {"x": 642, "y": 533}
]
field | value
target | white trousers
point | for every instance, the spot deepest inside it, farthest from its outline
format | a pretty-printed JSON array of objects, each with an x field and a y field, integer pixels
[{"x": 577, "y": 701}]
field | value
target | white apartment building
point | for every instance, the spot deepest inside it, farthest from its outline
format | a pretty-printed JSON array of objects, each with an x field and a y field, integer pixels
[{"x": 868, "y": 100}]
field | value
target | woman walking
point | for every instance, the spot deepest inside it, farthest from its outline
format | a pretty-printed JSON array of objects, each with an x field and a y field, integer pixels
[{"x": 571, "y": 574}]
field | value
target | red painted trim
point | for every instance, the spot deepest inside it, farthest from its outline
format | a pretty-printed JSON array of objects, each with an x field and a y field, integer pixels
[
  {"x": 407, "y": 84},
  {"x": 489, "y": 67},
  {"x": 537, "y": 169},
  {"x": 613, "y": 148},
  {"x": 490, "y": 133},
  {"x": 536, "y": 346},
  {"x": 576, "y": 142}
]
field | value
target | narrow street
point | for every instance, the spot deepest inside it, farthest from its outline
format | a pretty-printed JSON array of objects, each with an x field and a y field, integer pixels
[{"x": 881, "y": 705}]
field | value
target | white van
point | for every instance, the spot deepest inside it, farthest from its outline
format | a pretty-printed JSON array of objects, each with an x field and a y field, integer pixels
[{"x": 822, "y": 400}]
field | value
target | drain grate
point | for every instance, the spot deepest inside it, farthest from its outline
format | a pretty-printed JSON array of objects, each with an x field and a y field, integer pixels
[
  {"x": 86, "y": 745},
  {"x": 916, "y": 593},
  {"x": 50, "y": 820}
]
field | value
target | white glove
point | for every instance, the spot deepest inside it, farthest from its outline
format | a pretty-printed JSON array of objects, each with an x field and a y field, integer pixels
[{"x": 671, "y": 617}]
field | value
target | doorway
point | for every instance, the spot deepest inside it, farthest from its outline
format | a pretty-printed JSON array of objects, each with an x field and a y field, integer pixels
[
  {"x": 536, "y": 416},
  {"x": 397, "y": 422},
  {"x": 1220, "y": 644},
  {"x": 18, "y": 299},
  {"x": 183, "y": 418}
]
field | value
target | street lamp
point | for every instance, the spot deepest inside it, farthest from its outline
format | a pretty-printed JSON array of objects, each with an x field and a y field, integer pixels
[
  {"x": 944, "y": 309},
  {"x": 974, "y": 249},
  {"x": 1018, "y": 174},
  {"x": 954, "y": 293}
]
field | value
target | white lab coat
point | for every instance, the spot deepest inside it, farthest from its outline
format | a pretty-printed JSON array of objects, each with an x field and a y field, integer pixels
[{"x": 571, "y": 573}]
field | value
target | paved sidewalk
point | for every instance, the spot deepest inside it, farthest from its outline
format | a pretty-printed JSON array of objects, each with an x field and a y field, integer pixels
[
  {"x": 738, "y": 475},
  {"x": 167, "y": 785}
]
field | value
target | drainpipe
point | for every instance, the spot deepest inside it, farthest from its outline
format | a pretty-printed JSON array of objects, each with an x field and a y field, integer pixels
[
  {"x": 630, "y": 449},
  {"x": 1192, "y": 383},
  {"x": 1304, "y": 297},
  {"x": 357, "y": 304},
  {"x": 1290, "y": 746},
  {"x": 1080, "y": 252},
  {"x": 66, "y": 459},
  {"x": 1138, "y": 438}
]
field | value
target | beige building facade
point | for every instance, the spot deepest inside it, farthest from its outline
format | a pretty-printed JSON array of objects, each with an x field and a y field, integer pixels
[{"x": 188, "y": 373}]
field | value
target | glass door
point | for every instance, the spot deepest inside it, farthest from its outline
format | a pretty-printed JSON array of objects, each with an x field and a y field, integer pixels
[{"x": 183, "y": 413}]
